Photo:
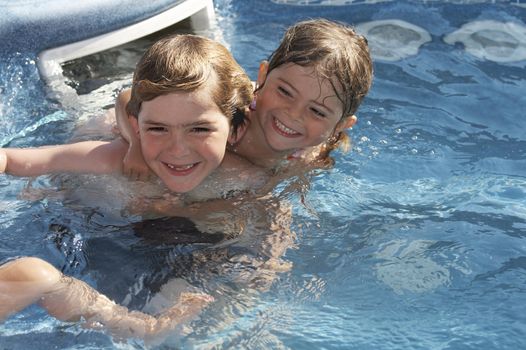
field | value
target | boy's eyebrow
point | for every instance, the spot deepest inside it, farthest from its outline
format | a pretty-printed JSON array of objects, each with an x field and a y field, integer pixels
[
  {"x": 296, "y": 90},
  {"x": 152, "y": 122},
  {"x": 198, "y": 123},
  {"x": 194, "y": 124}
]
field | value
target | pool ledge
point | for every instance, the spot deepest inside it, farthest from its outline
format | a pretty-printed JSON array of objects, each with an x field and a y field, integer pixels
[{"x": 62, "y": 30}]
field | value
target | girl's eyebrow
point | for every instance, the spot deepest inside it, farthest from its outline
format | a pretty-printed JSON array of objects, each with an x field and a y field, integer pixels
[
  {"x": 324, "y": 106},
  {"x": 289, "y": 84},
  {"x": 315, "y": 102}
]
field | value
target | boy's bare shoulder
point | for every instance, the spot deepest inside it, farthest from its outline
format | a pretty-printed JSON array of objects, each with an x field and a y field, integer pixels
[
  {"x": 235, "y": 176},
  {"x": 243, "y": 171}
]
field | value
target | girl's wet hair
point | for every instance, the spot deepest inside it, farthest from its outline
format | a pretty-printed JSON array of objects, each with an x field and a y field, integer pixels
[
  {"x": 336, "y": 53},
  {"x": 186, "y": 63}
]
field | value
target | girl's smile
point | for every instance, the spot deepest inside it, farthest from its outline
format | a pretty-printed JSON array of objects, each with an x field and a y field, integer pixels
[
  {"x": 296, "y": 109},
  {"x": 284, "y": 130}
]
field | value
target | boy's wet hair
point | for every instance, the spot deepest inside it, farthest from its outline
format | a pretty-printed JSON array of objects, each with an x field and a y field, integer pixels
[
  {"x": 186, "y": 63},
  {"x": 335, "y": 52}
]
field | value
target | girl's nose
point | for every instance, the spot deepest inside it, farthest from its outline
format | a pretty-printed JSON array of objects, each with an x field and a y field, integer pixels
[{"x": 296, "y": 112}]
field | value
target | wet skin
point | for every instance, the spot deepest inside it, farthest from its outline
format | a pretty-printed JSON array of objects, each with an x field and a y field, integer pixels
[
  {"x": 296, "y": 109},
  {"x": 182, "y": 145}
]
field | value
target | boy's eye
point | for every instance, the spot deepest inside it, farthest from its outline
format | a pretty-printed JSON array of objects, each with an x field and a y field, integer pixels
[
  {"x": 200, "y": 130},
  {"x": 156, "y": 129}
]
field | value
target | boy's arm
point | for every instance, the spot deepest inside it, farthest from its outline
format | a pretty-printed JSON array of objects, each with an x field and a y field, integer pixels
[
  {"x": 96, "y": 157},
  {"x": 134, "y": 165}
]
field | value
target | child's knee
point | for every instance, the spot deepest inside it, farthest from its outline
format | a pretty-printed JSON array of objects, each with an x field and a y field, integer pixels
[{"x": 30, "y": 269}]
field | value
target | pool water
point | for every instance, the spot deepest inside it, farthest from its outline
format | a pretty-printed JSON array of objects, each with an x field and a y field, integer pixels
[{"x": 414, "y": 240}]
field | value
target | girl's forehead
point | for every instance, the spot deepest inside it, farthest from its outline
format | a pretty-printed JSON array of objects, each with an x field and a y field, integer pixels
[
  {"x": 295, "y": 72},
  {"x": 308, "y": 79},
  {"x": 293, "y": 69}
]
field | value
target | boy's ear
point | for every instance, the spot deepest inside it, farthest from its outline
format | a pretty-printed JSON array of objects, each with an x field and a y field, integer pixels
[
  {"x": 134, "y": 122},
  {"x": 347, "y": 123},
  {"x": 262, "y": 73},
  {"x": 234, "y": 137}
]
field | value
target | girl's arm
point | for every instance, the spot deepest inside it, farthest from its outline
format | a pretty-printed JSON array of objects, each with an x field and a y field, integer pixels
[
  {"x": 97, "y": 157},
  {"x": 123, "y": 124},
  {"x": 25, "y": 281},
  {"x": 134, "y": 165}
]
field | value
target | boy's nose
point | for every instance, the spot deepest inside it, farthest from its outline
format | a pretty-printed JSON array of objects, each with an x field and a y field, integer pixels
[{"x": 178, "y": 146}]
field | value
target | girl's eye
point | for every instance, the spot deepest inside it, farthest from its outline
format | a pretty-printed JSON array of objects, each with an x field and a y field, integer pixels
[
  {"x": 318, "y": 113},
  {"x": 284, "y": 91}
]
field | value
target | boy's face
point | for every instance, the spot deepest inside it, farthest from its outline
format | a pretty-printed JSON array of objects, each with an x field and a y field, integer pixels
[
  {"x": 296, "y": 109},
  {"x": 183, "y": 137}
]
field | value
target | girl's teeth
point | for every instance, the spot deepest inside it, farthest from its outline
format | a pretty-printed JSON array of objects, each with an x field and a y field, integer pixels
[{"x": 285, "y": 129}]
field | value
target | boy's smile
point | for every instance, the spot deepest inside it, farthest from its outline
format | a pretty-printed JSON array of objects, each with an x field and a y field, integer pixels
[{"x": 183, "y": 137}]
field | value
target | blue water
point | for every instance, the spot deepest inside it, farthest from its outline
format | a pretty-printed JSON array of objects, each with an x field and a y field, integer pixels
[{"x": 415, "y": 240}]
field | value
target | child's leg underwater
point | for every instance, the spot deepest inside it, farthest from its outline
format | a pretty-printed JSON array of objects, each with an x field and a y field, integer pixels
[
  {"x": 23, "y": 282},
  {"x": 28, "y": 280}
]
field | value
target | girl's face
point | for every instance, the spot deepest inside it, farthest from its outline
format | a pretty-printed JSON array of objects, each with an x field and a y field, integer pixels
[
  {"x": 183, "y": 137},
  {"x": 296, "y": 109}
]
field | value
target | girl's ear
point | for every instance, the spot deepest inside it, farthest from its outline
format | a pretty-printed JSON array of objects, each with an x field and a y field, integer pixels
[
  {"x": 347, "y": 123},
  {"x": 134, "y": 122},
  {"x": 262, "y": 73}
]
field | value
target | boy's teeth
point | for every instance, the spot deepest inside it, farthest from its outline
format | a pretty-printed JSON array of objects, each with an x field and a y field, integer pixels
[
  {"x": 285, "y": 129},
  {"x": 180, "y": 168}
]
